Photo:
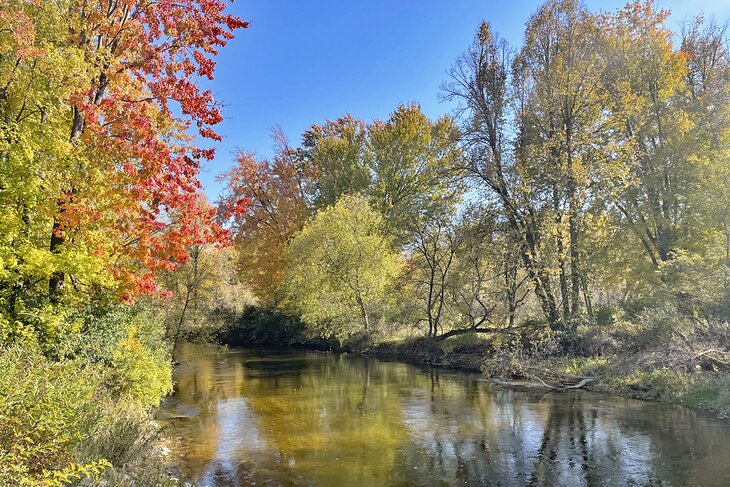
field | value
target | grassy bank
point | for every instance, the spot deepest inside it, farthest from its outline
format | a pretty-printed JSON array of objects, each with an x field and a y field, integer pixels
[
  {"x": 675, "y": 376},
  {"x": 706, "y": 390}
]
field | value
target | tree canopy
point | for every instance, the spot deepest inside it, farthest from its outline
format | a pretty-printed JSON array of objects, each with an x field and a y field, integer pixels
[{"x": 343, "y": 270}]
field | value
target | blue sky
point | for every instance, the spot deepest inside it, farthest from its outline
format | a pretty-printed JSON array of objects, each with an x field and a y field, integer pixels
[{"x": 302, "y": 62}]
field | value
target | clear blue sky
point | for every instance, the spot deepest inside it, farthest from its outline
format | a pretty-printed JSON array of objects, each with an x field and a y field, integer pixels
[{"x": 301, "y": 61}]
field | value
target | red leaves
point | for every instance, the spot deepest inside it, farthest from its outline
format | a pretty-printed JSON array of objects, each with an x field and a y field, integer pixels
[
  {"x": 209, "y": 133},
  {"x": 205, "y": 66},
  {"x": 138, "y": 105}
]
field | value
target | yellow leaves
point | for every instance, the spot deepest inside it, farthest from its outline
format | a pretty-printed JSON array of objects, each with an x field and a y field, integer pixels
[
  {"x": 138, "y": 373},
  {"x": 485, "y": 34},
  {"x": 36, "y": 261},
  {"x": 43, "y": 409},
  {"x": 74, "y": 472},
  {"x": 87, "y": 266},
  {"x": 341, "y": 267}
]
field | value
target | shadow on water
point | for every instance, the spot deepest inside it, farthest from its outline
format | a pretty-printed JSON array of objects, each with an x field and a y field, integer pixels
[{"x": 262, "y": 418}]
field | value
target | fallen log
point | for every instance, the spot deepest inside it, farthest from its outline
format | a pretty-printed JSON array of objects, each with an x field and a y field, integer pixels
[
  {"x": 717, "y": 362},
  {"x": 582, "y": 383},
  {"x": 564, "y": 381}
]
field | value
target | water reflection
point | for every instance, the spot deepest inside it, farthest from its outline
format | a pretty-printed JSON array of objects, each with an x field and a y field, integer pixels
[{"x": 253, "y": 418}]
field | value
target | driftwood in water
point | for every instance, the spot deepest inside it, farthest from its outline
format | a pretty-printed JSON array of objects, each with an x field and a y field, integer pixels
[
  {"x": 555, "y": 381},
  {"x": 558, "y": 381}
]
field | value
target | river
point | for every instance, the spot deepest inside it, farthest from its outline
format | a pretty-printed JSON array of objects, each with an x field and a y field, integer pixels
[{"x": 243, "y": 417}]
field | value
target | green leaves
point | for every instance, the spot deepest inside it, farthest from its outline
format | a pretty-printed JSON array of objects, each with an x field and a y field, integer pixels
[
  {"x": 45, "y": 409},
  {"x": 412, "y": 161},
  {"x": 336, "y": 151},
  {"x": 342, "y": 270}
]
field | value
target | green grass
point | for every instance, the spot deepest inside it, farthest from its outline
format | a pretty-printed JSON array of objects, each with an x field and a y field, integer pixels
[{"x": 697, "y": 390}]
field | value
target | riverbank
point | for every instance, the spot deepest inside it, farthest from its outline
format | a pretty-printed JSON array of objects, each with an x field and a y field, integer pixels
[
  {"x": 468, "y": 357},
  {"x": 650, "y": 360},
  {"x": 621, "y": 375}
]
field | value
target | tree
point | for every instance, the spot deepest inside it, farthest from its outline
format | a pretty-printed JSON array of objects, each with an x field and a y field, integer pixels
[
  {"x": 557, "y": 75},
  {"x": 646, "y": 83},
  {"x": 335, "y": 152},
  {"x": 98, "y": 169},
  {"x": 267, "y": 203},
  {"x": 205, "y": 286},
  {"x": 411, "y": 159},
  {"x": 478, "y": 82},
  {"x": 342, "y": 270},
  {"x": 435, "y": 243},
  {"x": 671, "y": 106},
  {"x": 489, "y": 285}
]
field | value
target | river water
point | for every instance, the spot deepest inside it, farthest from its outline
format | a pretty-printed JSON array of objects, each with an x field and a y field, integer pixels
[{"x": 242, "y": 418}]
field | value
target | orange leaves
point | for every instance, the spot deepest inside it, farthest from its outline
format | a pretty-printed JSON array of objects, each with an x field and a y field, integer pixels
[
  {"x": 134, "y": 181},
  {"x": 22, "y": 34},
  {"x": 265, "y": 202}
]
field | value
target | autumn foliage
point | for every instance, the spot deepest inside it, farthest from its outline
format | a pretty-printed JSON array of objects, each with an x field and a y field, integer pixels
[
  {"x": 102, "y": 133},
  {"x": 266, "y": 203}
]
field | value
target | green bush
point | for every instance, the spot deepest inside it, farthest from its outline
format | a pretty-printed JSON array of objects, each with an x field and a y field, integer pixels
[
  {"x": 467, "y": 343},
  {"x": 263, "y": 326},
  {"x": 74, "y": 404},
  {"x": 100, "y": 329},
  {"x": 141, "y": 373},
  {"x": 616, "y": 330},
  {"x": 46, "y": 412},
  {"x": 129, "y": 342}
]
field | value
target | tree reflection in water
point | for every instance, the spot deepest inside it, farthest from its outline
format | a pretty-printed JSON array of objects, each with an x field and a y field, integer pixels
[{"x": 244, "y": 418}]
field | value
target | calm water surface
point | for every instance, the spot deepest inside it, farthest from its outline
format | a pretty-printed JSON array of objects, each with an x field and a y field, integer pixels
[{"x": 244, "y": 418}]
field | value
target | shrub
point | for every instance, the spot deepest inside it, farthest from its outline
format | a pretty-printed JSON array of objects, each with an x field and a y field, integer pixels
[
  {"x": 618, "y": 331},
  {"x": 129, "y": 440},
  {"x": 263, "y": 326},
  {"x": 46, "y": 411},
  {"x": 101, "y": 329},
  {"x": 129, "y": 342},
  {"x": 139, "y": 372},
  {"x": 74, "y": 404}
]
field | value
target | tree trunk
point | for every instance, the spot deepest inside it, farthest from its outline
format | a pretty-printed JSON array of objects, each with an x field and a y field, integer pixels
[
  {"x": 539, "y": 277},
  {"x": 564, "y": 298},
  {"x": 363, "y": 311},
  {"x": 575, "y": 278},
  {"x": 57, "y": 279},
  {"x": 181, "y": 322}
]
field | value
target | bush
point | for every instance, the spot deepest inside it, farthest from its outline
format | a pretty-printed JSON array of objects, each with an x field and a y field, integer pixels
[
  {"x": 75, "y": 404},
  {"x": 627, "y": 331},
  {"x": 46, "y": 412},
  {"x": 696, "y": 390},
  {"x": 141, "y": 373},
  {"x": 263, "y": 326},
  {"x": 129, "y": 342},
  {"x": 129, "y": 440},
  {"x": 100, "y": 329}
]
